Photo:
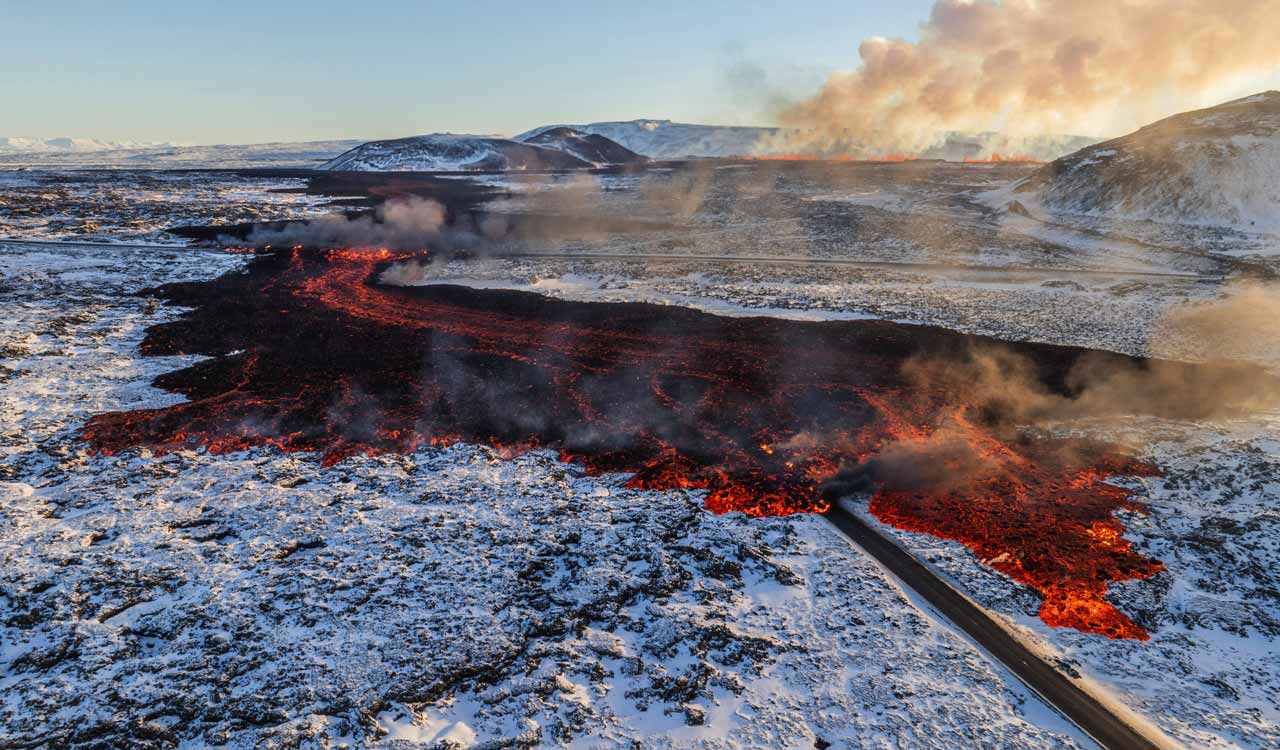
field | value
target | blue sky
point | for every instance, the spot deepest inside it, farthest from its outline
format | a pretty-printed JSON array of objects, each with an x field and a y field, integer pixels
[{"x": 236, "y": 72}]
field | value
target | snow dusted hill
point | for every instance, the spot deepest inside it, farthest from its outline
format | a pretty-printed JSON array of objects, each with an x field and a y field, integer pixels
[
  {"x": 1211, "y": 167},
  {"x": 446, "y": 152},
  {"x": 592, "y": 148}
]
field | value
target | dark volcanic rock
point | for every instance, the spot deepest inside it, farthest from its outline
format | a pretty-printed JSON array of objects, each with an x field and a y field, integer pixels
[{"x": 586, "y": 146}]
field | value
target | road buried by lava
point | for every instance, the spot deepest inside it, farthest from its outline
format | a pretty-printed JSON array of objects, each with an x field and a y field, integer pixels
[{"x": 310, "y": 353}]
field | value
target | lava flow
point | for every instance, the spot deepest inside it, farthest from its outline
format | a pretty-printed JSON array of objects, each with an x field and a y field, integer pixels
[{"x": 309, "y": 352}]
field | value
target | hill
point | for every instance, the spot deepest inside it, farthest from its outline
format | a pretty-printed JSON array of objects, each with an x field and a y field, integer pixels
[
  {"x": 1218, "y": 166},
  {"x": 446, "y": 152}
]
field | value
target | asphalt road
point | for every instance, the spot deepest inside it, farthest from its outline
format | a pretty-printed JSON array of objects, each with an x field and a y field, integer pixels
[{"x": 1082, "y": 709}]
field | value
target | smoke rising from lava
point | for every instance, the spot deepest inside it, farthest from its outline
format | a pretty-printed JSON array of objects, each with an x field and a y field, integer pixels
[
  {"x": 1025, "y": 67},
  {"x": 1244, "y": 324},
  {"x": 402, "y": 223},
  {"x": 1008, "y": 393},
  {"x": 945, "y": 461},
  {"x": 565, "y": 209},
  {"x": 1006, "y": 387}
]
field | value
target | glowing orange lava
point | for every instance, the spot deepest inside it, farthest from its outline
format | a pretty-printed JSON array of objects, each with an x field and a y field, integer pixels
[{"x": 310, "y": 353}]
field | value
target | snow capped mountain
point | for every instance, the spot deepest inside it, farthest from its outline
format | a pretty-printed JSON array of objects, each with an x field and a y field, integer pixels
[
  {"x": 18, "y": 145},
  {"x": 589, "y": 147},
  {"x": 446, "y": 152},
  {"x": 664, "y": 139},
  {"x": 1211, "y": 167}
]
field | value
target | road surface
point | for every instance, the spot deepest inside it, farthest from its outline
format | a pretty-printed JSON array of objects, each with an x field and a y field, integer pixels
[{"x": 1082, "y": 709}]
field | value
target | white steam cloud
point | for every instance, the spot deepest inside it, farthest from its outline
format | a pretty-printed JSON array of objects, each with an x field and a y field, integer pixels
[{"x": 1026, "y": 67}]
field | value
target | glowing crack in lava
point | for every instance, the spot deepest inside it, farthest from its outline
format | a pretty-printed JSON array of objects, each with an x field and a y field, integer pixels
[{"x": 310, "y": 353}]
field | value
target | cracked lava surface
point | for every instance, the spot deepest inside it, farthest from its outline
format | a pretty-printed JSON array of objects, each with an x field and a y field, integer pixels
[{"x": 310, "y": 353}]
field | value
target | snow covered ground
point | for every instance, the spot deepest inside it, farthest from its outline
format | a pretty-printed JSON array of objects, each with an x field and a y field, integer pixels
[
  {"x": 257, "y": 600},
  {"x": 137, "y": 206},
  {"x": 1210, "y": 675}
]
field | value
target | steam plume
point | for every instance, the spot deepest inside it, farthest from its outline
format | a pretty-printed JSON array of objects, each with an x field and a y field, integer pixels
[{"x": 1040, "y": 66}]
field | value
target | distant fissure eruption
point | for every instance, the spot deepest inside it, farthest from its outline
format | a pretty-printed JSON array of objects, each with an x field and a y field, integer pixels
[
  {"x": 994, "y": 158},
  {"x": 768, "y": 416}
]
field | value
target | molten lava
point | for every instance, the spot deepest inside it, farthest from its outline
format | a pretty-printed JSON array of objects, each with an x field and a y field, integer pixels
[
  {"x": 310, "y": 353},
  {"x": 999, "y": 159}
]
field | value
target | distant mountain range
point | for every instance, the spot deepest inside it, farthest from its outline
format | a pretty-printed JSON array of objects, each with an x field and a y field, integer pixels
[
  {"x": 664, "y": 139},
  {"x": 17, "y": 145},
  {"x": 593, "y": 144},
  {"x": 167, "y": 156},
  {"x": 1213, "y": 167},
  {"x": 604, "y": 143}
]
